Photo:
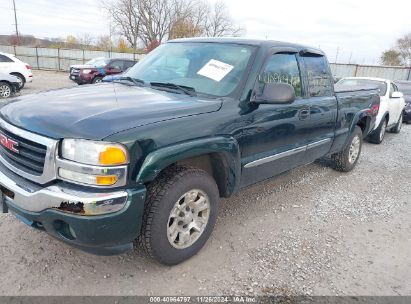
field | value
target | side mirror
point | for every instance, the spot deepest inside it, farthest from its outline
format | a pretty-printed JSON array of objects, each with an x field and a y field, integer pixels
[
  {"x": 277, "y": 93},
  {"x": 397, "y": 95}
]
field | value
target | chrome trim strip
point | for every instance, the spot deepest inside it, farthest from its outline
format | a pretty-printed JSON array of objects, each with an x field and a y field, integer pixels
[
  {"x": 318, "y": 143},
  {"x": 271, "y": 158},
  {"x": 49, "y": 170},
  {"x": 120, "y": 171},
  {"x": 275, "y": 157}
]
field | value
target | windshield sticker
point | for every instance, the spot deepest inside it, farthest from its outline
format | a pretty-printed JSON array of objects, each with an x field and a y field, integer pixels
[{"x": 215, "y": 70}]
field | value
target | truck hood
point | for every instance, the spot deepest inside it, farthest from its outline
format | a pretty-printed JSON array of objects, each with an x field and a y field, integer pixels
[{"x": 97, "y": 111}]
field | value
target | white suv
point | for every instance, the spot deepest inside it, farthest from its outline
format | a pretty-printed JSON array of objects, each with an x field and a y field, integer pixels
[
  {"x": 391, "y": 106},
  {"x": 9, "y": 64}
]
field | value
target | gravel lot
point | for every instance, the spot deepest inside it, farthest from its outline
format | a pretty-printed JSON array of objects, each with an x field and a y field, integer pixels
[{"x": 310, "y": 231}]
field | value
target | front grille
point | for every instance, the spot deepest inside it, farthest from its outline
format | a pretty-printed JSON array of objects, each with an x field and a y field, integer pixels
[
  {"x": 75, "y": 72},
  {"x": 30, "y": 157}
]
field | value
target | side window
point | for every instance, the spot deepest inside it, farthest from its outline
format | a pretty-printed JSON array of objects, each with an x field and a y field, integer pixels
[
  {"x": 118, "y": 64},
  {"x": 319, "y": 81},
  {"x": 5, "y": 59},
  {"x": 281, "y": 68}
]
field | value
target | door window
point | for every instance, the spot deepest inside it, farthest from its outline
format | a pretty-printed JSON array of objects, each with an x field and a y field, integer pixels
[
  {"x": 319, "y": 80},
  {"x": 281, "y": 68}
]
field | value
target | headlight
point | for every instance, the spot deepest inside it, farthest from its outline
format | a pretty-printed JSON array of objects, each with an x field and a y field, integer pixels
[
  {"x": 86, "y": 71},
  {"x": 95, "y": 163},
  {"x": 94, "y": 152}
]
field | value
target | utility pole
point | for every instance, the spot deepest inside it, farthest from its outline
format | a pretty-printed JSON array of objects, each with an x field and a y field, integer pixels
[{"x": 15, "y": 21}]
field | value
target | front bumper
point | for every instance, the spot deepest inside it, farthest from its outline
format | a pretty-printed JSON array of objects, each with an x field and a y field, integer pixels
[{"x": 106, "y": 234}]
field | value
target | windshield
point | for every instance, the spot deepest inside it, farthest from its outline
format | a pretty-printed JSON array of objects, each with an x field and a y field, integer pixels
[
  {"x": 98, "y": 62},
  {"x": 209, "y": 68},
  {"x": 381, "y": 85},
  {"x": 405, "y": 88}
]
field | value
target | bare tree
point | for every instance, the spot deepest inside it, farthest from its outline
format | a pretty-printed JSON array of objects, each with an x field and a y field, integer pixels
[
  {"x": 404, "y": 48},
  {"x": 219, "y": 22},
  {"x": 125, "y": 16},
  {"x": 154, "y": 21},
  {"x": 400, "y": 54}
]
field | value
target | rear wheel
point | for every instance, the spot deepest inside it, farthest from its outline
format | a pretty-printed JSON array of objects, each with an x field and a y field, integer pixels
[
  {"x": 180, "y": 213},
  {"x": 397, "y": 128},
  {"x": 377, "y": 136},
  {"x": 346, "y": 160},
  {"x": 6, "y": 90},
  {"x": 20, "y": 80}
]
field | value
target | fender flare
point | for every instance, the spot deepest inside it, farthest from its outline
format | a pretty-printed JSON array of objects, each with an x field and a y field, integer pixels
[{"x": 226, "y": 147}]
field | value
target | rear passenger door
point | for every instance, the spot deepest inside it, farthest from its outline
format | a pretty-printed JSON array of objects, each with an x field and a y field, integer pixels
[{"x": 322, "y": 103}]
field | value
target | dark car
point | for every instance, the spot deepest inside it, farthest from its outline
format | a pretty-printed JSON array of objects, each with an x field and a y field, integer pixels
[
  {"x": 405, "y": 88},
  {"x": 96, "y": 69}
]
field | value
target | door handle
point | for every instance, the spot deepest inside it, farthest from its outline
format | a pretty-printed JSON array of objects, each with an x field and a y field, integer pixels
[{"x": 304, "y": 114}]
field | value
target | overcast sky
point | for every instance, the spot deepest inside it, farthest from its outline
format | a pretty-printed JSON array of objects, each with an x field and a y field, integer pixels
[{"x": 360, "y": 29}]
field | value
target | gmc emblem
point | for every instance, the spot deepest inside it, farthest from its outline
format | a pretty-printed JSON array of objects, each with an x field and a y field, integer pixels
[{"x": 9, "y": 143}]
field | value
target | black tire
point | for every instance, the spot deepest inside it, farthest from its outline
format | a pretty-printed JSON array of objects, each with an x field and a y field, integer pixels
[
  {"x": 97, "y": 80},
  {"x": 397, "y": 128},
  {"x": 162, "y": 195},
  {"x": 22, "y": 81},
  {"x": 6, "y": 90},
  {"x": 377, "y": 136},
  {"x": 342, "y": 161}
]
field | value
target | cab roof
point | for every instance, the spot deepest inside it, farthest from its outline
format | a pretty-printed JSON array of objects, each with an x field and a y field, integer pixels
[{"x": 252, "y": 42}]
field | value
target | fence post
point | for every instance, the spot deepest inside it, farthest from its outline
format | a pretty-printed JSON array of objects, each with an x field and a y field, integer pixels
[
  {"x": 409, "y": 74},
  {"x": 14, "y": 47},
  {"x": 37, "y": 58},
  {"x": 58, "y": 59},
  {"x": 356, "y": 70},
  {"x": 84, "y": 61}
]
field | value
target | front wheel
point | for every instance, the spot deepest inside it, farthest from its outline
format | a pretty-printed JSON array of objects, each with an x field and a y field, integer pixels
[
  {"x": 180, "y": 213},
  {"x": 346, "y": 160},
  {"x": 6, "y": 90}
]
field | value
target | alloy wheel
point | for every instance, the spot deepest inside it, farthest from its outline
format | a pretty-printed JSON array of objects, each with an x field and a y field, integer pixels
[{"x": 188, "y": 219}]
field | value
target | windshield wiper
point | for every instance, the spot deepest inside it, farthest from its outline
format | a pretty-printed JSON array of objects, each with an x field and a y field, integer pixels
[
  {"x": 185, "y": 89},
  {"x": 135, "y": 81}
]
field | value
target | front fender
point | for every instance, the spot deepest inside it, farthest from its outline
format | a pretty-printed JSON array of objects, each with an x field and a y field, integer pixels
[{"x": 227, "y": 147}]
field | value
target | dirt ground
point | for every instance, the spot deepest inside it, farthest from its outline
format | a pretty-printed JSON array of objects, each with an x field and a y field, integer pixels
[{"x": 310, "y": 231}]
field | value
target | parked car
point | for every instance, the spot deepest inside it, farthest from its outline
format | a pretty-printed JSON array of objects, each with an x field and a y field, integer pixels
[
  {"x": 9, "y": 85},
  {"x": 9, "y": 64},
  {"x": 391, "y": 106},
  {"x": 148, "y": 157},
  {"x": 405, "y": 88},
  {"x": 95, "y": 70}
]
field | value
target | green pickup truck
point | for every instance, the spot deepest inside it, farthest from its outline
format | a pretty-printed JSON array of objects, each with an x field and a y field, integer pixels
[{"x": 145, "y": 159}]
